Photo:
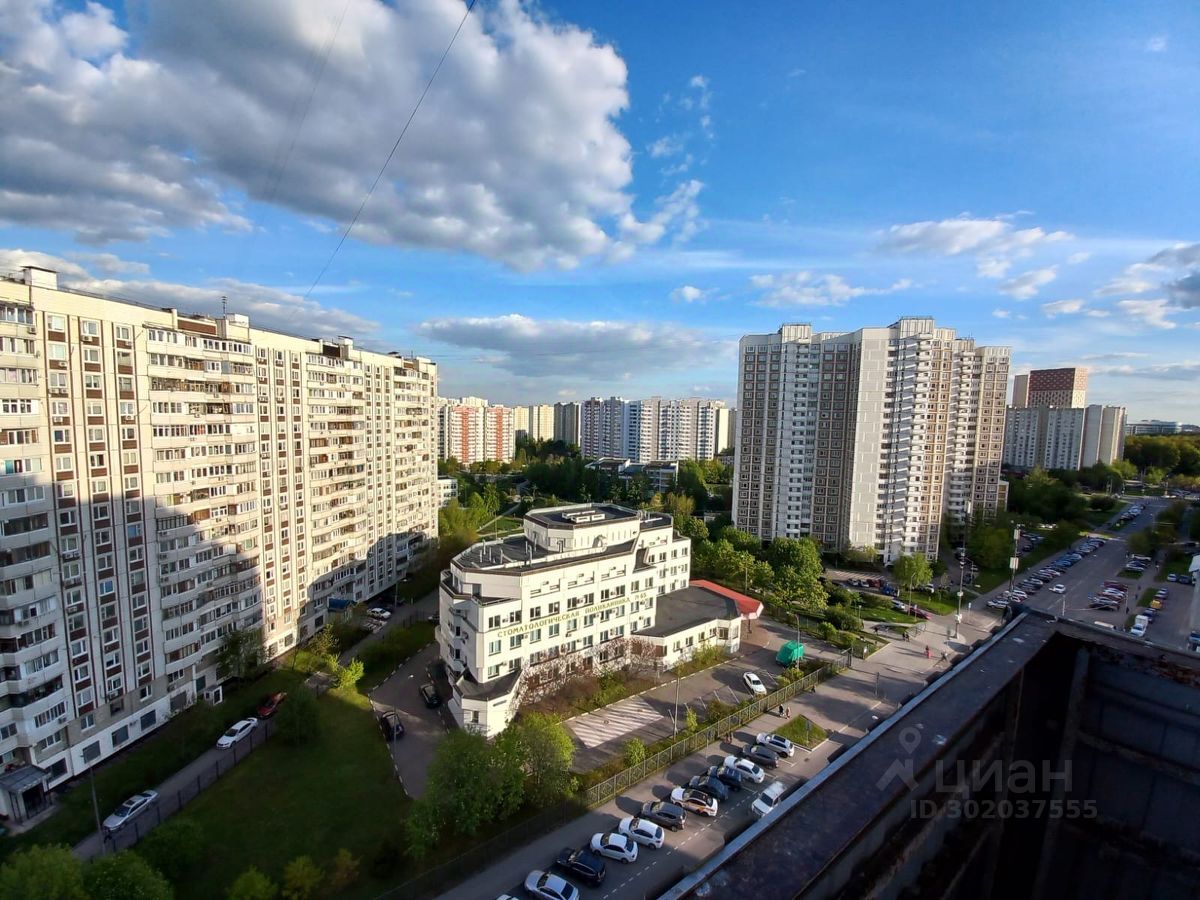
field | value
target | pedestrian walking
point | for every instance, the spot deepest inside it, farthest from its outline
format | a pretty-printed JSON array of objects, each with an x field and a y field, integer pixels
[
  {"x": 928, "y": 655},
  {"x": 789, "y": 712},
  {"x": 945, "y": 656}
]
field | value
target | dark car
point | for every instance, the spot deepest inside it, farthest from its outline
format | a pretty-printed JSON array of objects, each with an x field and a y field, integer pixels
[
  {"x": 668, "y": 815},
  {"x": 582, "y": 863},
  {"x": 270, "y": 705},
  {"x": 710, "y": 786},
  {"x": 430, "y": 695},
  {"x": 764, "y": 756},
  {"x": 731, "y": 778},
  {"x": 392, "y": 726}
]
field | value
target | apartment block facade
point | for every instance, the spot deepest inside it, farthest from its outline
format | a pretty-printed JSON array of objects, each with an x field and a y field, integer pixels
[
  {"x": 1072, "y": 438},
  {"x": 167, "y": 479},
  {"x": 584, "y": 588},
  {"x": 471, "y": 430},
  {"x": 1063, "y": 388},
  {"x": 603, "y": 427},
  {"x": 567, "y": 422},
  {"x": 867, "y": 439},
  {"x": 655, "y": 428}
]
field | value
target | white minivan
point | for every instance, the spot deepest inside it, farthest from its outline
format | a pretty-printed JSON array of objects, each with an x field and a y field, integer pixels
[
  {"x": 768, "y": 799},
  {"x": 1140, "y": 624}
]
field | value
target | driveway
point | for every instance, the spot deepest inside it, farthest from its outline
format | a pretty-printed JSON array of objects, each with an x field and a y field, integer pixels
[{"x": 423, "y": 727}]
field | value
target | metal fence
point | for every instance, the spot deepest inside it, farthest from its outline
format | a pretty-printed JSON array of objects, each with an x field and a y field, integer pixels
[
  {"x": 610, "y": 788},
  {"x": 171, "y": 802}
]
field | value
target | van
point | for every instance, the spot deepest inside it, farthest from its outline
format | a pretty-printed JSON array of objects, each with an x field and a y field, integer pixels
[
  {"x": 1140, "y": 624},
  {"x": 768, "y": 799}
]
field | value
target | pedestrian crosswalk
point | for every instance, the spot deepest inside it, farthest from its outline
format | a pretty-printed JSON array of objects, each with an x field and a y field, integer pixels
[{"x": 614, "y": 721}]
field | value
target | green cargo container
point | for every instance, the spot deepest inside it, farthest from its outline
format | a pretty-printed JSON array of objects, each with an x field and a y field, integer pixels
[{"x": 790, "y": 654}]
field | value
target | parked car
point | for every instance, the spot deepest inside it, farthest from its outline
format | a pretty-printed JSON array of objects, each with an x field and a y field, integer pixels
[
  {"x": 918, "y": 612},
  {"x": 392, "y": 726},
  {"x": 1172, "y": 577},
  {"x": 780, "y": 745},
  {"x": 612, "y": 845},
  {"x": 768, "y": 799},
  {"x": 764, "y": 756},
  {"x": 754, "y": 683},
  {"x": 548, "y": 886},
  {"x": 710, "y": 786},
  {"x": 1185, "y": 579},
  {"x": 378, "y": 612},
  {"x": 694, "y": 801},
  {"x": 236, "y": 732},
  {"x": 747, "y": 767},
  {"x": 429, "y": 694},
  {"x": 727, "y": 775},
  {"x": 998, "y": 603},
  {"x": 1103, "y": 603},
  {"x": 643, "y": 831},
  {"x": 582, "y": 863},
  {"x": 1058, "y": 588},
  {"x": 270, "y": 704},
  {"x": 668, "y": 815},
  {"x": 129, "y": 810}
]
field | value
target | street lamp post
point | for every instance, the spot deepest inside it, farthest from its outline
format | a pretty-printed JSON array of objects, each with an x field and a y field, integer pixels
[
  {"x": 962, "y": 568},
  {"x": 675, "y": 723}
]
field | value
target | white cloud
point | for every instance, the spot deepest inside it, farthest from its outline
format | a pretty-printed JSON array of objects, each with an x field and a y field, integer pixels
[
  {"x": 1062, "y": 308},
  {"x": 951, "y": 237},
  {"x": 127, "y": 134},
  {"x": 111, "y": 264},
  {"x": 1097, "y": 313},
  {"x": 1136, "y": 279},
  {"x": 1157, "y": 44},
  {"x": 1185, "y": 291},
  {"x": 1027, "y": 284},
  {"x": 1152, "y": 313},
  {"x": 1002, "y": 313},
  {"x": 1176, "y": 371},
  {"x": 689, "y": 294},
  {"x": 806, "y": 289},
  {"x": 679, "y": 210},
  {"x": 668, "y": 145},
  {"x": 1076, "y": 258},
  {"x": 992, "y": 268},
  {"x": 1119, "y": 354},
  {"x": 561, "y": 347},
  {"x": 1180, "y": 255},
  {"x": 267, "y": 307}
]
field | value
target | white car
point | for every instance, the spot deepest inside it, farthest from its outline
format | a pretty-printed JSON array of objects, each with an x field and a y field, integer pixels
[
  {"x": 694, "y": 801},
  {"x": 754, "y": 683},
  {"x": 1020, "y": 595},
  {"x": 748, "y": 769},
  {"x": 380, "y": 613},
  {"x": 130, "y": 809},
  {"x": 780, "y": 745},
  {"x": 548, "y": 886},
  {"x": 768, "y": 799},
  {"x": 238, "y": 731},
  {"x": 1058, "y": 588},
  {"x": 643, "y": 831},
  {"x": 615, "y": 846}
]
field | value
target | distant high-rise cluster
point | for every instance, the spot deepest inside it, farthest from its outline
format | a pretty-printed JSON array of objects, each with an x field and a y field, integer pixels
[
  {"x": 472, "y": 430},
  {"x": 867, "y": 439},
  {"x": 654, "y": 429},
  {"x": 1050, "y": 425}
]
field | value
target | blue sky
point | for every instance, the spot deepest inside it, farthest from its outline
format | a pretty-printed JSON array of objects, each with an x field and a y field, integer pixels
[{"x": 601, "y": 198}]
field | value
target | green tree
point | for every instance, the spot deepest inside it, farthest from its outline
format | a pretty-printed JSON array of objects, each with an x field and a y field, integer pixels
[
  {"x": 801, "y": 554},
  {"x": 301, "y": 879},
  {"x": 635, "y": 752},
  {"x": 422, "y": 827},
  {"x": 691, "y": 721},
  {"x": 681, "y": 506},
  {"x": 345, "y": 870},
  {"x": 911, "y": 570},
  {"x": 299, "y": 718},
  {"x": 1125, "y": 469},
  {"x": 691, "y": 527},
  {"x": 740, "y": 540},
  {"x": 1155, "y": 475},
  {"x": 323, "y": 646},
  {"x": 546, "y": 751},
  {"x": 240, "y": 652},
  {"x": 349, "y": 675},
  {"x": 175, "y": 848},
  {"x": 990, "y": 547},
  {"x": 252, "y": 885},
  {"x": 474, "y": 782},
  {"x": 125, "y": 876},
  {"x": 42, "y": 872},
  {"x": 794, "y": 586}
]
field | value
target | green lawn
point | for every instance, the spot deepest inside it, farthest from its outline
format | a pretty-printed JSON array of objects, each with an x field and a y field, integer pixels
[
  {"x": 800, "y": 730},
  {"x": 380, "y": 657},
  {"x": 1099, "y": 517},
  {"x": 284, "y": 802},
  {"x": 502, "y": 525},
  {"x": 147, "y": 763},
  {"x": 1178, "y": 566},
  {"x": 881, "y": 614},
  {"x": 1147, "y": 596}
]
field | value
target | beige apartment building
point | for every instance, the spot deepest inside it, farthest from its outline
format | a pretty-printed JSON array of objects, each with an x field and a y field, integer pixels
[
  {"x": 166, "y": 479},
  {"x": 867, "y": 439}
]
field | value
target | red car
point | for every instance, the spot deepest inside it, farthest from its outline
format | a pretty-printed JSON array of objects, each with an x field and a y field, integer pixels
[
  {"x": 270, "y": 705},
  {"x": 918, "y": 612}
]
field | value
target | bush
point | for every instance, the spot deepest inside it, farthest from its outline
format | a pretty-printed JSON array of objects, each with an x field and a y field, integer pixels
[
  {"x": 252, "y": 885},
  {"x": 298, "y": 720},
  {"x": 345, "y": 871},
  {"x": 716, "y": 710},
  {"x": 42, "y": 873},
  {"x": 387, "y": 856},
  {"x": 828, "y": 632},
  {"x": 843, "y": 619},
  {"x": 123, "y": 876},
  {"x": 175, "y": 847},
  {"x": 635, "y": 752},
  {"x": 301, "y": 879},
  {"x": 349, "y": 675}
]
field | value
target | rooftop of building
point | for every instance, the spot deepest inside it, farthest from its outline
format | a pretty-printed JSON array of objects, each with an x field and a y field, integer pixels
[
  {"x": 583, "y": 515},
  {"x": 688, "y": 608}
]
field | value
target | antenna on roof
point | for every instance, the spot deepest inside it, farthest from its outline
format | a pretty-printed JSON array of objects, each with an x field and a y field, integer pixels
[{"x": 224, "y": 306}]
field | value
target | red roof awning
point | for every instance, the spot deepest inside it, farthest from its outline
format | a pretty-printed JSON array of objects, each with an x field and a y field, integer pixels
[{"x": 748, "y": 607}]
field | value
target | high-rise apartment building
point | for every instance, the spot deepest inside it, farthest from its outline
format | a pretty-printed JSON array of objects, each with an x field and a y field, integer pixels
[
  {"x": 567, "y": 422},
  {"x": 470, "y": 430},
  {"x": 654, "y": 428},
  {"x": 540, "y": 422},
  {"x": 167, "y": 479},
  {"x": 520, "y": 417},
  {"x": 603, "y": 426},
  {"x": 867, "y": 439},
  {"x": 1056, "y": 438},
  {"x": 498, "y": 434},
  {"x": 1064, "y": 388},
  {"x": 1020, "y": 397}
]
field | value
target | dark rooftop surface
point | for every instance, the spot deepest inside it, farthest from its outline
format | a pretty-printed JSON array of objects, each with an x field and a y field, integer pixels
[
  {"x": 686, "y": 608},
  {"x": 473, "y": 690},
  {"x": 519, "y": 549},
  {"x": 563, "y": 517}
]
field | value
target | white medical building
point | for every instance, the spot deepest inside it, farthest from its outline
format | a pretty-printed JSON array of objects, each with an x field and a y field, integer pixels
[{"x": 585, "y": 587}]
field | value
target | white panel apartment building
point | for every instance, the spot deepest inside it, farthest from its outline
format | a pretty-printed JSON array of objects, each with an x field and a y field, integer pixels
[
  {"x": 603, "y": 427},
  {"x": 654, "y": 428},
  {"x": 581, "y": 589},
  {"x": 866, "y": 438},
  {"x": 166, "y": 479},
  {"x": 1063, "y": 438},
  {"x": 471, "y": 430}
]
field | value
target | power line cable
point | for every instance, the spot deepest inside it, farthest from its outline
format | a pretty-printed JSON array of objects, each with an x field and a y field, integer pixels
[{"x": 395, "y": 147}]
